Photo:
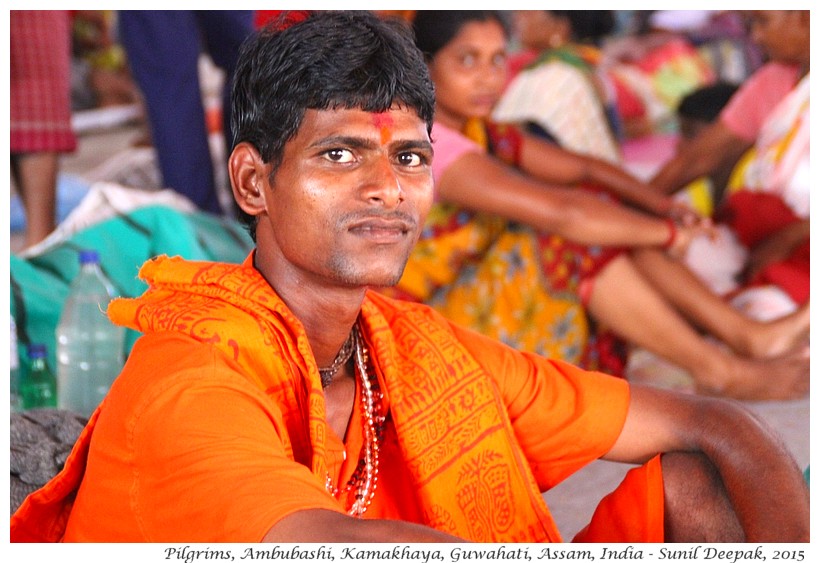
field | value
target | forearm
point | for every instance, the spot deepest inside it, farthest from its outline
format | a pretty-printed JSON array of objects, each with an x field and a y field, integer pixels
[
  {"x": 627, "y": 187},
  {"x": 762, "y": 481},
  {"x": 486, "y": 186},
  {"x": 555, "y": 165},
  {"x": 712, "y": 148}
]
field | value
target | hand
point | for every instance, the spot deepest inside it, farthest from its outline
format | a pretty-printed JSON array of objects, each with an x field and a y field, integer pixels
[
  {"x": 686, "y": 233},
  {"x": 682, "y": 213}
]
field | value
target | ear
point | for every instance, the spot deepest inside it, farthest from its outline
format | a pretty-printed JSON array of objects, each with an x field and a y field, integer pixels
[{"x": 249, "y": 176}]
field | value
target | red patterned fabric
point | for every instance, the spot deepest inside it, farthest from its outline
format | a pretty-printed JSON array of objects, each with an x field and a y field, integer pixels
[{"x": 40, "y": 81}]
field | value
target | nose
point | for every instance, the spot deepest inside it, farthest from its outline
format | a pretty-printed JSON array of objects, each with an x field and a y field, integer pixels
[{"x": 383, "y": 187}]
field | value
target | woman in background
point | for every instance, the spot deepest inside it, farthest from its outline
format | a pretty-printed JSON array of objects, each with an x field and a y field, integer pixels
[
  {"x": 555, "y": 88},
  {"x": 522, "y": 259}
]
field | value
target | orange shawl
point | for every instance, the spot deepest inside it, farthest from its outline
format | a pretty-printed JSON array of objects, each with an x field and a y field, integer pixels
[{"x": 483, "y": 493}]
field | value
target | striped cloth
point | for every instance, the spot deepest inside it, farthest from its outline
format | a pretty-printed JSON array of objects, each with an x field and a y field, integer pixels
[{"x": 40, "y": 82}]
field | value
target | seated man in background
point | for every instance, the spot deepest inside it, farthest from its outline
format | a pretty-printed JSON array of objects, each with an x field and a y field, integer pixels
[{"x": 282, "y": 400}]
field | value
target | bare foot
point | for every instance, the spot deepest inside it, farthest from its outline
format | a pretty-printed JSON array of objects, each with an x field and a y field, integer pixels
[
  {"x": 778, "y": 337},
  {"x": 772, "y": 379}
]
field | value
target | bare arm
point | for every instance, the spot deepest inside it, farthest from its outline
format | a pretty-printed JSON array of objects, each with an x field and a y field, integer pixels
[
  {"x": 327, "y": 526},
  {"x": 763, "y": 483},
  {"x": 714, "y": 146},
  {"x": 776, "y": 247},
  {"x": 482, "y": 183},
  {"x": 553, "y": 164}
]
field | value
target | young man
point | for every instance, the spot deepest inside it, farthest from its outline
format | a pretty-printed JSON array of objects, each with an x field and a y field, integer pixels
[{"x": 281, "y": 400}]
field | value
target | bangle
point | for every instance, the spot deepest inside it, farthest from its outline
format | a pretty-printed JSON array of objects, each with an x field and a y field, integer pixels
[{"x": 673, "y": 234}]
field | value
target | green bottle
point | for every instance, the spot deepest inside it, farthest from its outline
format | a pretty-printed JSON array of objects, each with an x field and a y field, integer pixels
[{"x": 38, "y": 387}]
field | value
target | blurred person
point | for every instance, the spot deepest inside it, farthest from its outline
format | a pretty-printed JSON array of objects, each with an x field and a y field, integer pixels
[
  {"x": 163, "y": 49},
  {"x": 555, "y": 88},
  {"x": 40, "y": 119},
  {"x": 762, "y": 248},
  {"x": 506, "y": 243}
]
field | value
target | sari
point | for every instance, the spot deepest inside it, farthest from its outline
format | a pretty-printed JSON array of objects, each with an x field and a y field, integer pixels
[
  {"x": 771, "y": 192},
  {"x": 524, "y": 287},
  {"x": 560, "y": 96}
]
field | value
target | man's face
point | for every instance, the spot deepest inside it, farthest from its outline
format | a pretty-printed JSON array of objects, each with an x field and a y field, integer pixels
[{"x": 349, "y": 200}]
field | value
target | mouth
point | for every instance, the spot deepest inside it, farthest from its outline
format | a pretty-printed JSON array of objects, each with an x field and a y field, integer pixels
[{"x": 383, "y": 230}]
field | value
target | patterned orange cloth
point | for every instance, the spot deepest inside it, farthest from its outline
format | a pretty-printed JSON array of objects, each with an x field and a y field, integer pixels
[{"x": 250, "y": 383}]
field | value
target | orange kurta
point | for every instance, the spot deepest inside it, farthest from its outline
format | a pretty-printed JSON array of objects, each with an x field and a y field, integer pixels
[{"x": 216, "y": 430}]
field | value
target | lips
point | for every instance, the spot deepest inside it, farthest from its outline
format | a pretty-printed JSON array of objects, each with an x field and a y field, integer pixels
[{"x": 381, "y": 228}]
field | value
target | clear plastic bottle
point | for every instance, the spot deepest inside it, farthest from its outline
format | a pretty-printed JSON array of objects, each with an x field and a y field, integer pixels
[
  {"x": 14, "y": 370},
  {"x": 38, "y": 388},
  {"x": 89, "y": 346}
]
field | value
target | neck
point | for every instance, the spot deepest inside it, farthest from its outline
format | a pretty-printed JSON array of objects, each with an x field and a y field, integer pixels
[{"x": 327, "y": 312}]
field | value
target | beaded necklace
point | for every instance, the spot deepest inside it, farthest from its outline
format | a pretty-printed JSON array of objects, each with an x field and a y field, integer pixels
[{"x": 364, "y": 478}]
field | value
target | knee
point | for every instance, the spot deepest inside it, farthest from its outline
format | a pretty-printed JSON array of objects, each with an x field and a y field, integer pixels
[{"x": 696, "y": 505}]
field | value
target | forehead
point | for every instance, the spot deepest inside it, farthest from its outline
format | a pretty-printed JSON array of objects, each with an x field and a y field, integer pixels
[
  {"x": 479, "y": 33},
  {"x": 320, "y": 123}
]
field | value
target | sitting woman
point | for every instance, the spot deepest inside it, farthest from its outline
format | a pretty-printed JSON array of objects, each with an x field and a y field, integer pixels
[
  {"x": 523, "y": 260},
  {"x": 555, "y": 89}
]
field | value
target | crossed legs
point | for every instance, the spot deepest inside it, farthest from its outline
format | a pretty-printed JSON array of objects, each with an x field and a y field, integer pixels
[{"x": 624, "y": 300}]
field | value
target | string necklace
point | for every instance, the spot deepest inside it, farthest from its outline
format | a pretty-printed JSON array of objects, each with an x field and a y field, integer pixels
[
  {"x": 363, "y": 480},
  {"x": 326, "y": 374}
]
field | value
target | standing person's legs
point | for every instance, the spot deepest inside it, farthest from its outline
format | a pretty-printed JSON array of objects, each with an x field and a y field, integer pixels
[
  {"x": 163, "y": 50},
  {"x": 36, "y": 177}
]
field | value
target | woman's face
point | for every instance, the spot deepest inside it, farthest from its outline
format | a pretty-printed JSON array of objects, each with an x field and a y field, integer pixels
[{"x": 469, "y": 73}]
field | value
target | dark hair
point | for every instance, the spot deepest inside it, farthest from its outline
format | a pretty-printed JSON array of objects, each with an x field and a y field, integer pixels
[
  {"x": 436, "y": 28},
  {"x": 323, "y": 60},
  {"x": 705, "y": 104},
  {"x": 588, "y": 25}
]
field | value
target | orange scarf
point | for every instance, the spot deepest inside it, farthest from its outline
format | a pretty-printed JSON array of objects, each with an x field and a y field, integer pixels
[{"x": 439, "y": 397}]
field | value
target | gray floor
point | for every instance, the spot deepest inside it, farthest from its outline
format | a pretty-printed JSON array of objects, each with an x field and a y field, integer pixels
[{"x": 573, "y": 501}]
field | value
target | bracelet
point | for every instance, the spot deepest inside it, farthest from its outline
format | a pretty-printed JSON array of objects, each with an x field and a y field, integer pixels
[{"x": 673, "y": 234}]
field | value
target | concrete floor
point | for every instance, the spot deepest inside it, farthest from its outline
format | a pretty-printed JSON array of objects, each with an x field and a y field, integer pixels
[{"x": 573, "y": 501}]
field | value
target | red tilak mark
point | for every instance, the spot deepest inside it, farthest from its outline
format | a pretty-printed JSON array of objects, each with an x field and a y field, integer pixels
[{"x": 384, "y": 122}]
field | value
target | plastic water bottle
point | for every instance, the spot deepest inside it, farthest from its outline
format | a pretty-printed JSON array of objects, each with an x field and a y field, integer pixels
[
  {"x": 38, "y": 388},
  {"x": 89, "y": 346},
  {"x": 16, "y": 403}
]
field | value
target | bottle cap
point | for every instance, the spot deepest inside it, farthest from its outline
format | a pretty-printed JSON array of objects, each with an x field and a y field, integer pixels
[
  {"x": 36, "y": 350},
  {"x": 89, "y": 256}
]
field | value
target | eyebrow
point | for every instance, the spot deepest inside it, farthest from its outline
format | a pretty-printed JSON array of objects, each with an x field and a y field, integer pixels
[{"x": 365, "y": 143}]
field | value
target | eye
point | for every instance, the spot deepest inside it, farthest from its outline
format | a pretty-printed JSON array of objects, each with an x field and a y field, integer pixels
[
  {"x": 342, "y": 156},
  {"x": 411, "y": 159},
  {"x": 499, "y": 60},
  {"x": 468, "y": 61}
]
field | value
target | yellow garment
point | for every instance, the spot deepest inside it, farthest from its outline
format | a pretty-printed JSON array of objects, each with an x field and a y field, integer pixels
[{"x": 484, "y": 272}]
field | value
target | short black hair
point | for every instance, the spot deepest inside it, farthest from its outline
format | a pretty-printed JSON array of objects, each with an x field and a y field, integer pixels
[
  {"x": 706, "y": 103},
  {"x": 588, "y": 25},
  {"x": 436, "y": 28},
  {"x": 323, "y": 60}
]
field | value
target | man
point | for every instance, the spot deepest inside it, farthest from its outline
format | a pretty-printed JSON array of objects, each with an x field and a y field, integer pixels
[{"x": 281, "y": 400}]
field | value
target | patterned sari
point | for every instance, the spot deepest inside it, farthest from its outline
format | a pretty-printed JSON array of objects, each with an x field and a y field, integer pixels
[{"x": 508, "y": 281}]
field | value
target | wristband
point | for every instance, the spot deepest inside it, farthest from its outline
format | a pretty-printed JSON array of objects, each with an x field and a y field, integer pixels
[{"x": 673, "y": 234}]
